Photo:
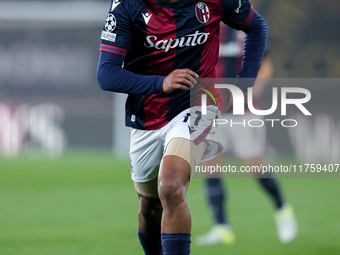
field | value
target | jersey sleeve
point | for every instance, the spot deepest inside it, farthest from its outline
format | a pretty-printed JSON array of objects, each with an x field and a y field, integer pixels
[
  {"x": 116, "y": 35},
  {"x": 239, "y": 14},
  {"x": 236, "y": 13},
  {"x": 115, "y": 43}
]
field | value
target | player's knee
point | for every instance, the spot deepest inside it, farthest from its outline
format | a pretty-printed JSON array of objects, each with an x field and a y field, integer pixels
[
  {"x": 171, "y": 193},
  {"x": 150, "y": 208}
]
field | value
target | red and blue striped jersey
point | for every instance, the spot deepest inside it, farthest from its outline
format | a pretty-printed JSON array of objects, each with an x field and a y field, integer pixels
[{"x": 151, "y": 38}]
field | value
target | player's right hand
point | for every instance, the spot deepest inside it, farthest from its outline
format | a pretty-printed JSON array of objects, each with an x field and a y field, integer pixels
[{"x": 183, "y": 79}]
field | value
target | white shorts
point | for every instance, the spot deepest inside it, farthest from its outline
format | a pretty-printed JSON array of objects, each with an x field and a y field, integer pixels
[
  {"x": 244, "y": 142},
  {"x": 148, "y": 146}
]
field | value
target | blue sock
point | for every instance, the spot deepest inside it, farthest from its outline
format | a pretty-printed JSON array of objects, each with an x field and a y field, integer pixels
[
  {"x": 271, "y": 186},
  {"x": 216, "y": 197},
  {"x": 176, "y": 244},
  {"x": 151, "y": 243}
]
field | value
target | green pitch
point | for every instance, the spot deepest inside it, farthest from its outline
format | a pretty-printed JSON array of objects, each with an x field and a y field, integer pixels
[{"x": 86, "y": 204}]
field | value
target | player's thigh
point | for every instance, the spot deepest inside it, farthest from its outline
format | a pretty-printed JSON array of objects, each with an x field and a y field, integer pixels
[
  {"x": 146, "y": 150},
  {"x": 147, "y": 191},
  {"x": 185, "y": 140}
]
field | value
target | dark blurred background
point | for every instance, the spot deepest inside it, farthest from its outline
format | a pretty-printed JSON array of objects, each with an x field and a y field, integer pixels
[{"x": 304, "y": 36}]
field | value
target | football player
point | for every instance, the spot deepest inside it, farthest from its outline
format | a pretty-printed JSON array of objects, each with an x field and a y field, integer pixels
[{"x": 154, "y": 51}]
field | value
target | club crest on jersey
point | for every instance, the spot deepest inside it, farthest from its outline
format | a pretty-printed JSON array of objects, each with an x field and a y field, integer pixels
[
  {"x": 202, "y": 12},
  {"x": 110, "y": 23}
]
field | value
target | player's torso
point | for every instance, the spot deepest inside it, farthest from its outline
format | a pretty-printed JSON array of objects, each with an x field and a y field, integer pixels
[{"x": 171, "y": 36}]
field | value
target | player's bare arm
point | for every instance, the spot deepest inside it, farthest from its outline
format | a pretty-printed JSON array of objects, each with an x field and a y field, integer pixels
[{"x": 182, "y": 79}]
